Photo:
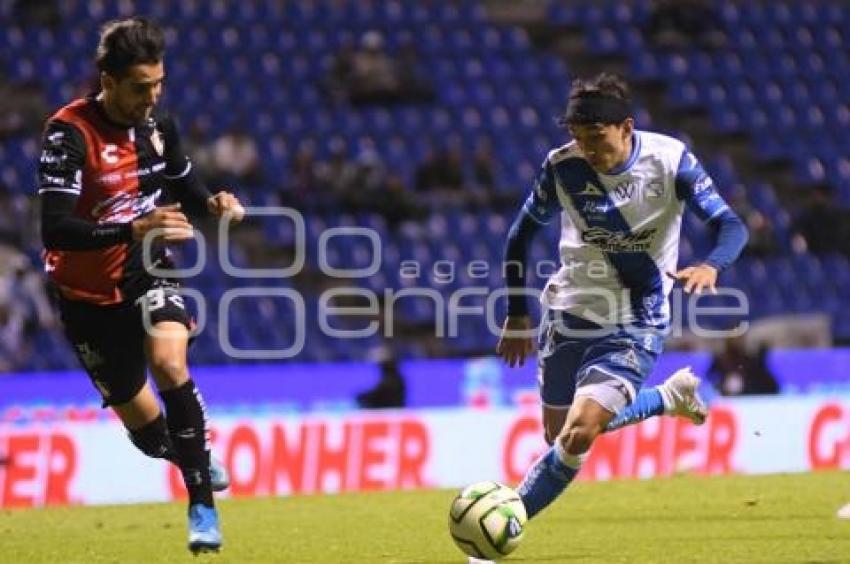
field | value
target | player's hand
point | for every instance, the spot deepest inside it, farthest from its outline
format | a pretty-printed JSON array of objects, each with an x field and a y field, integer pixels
[
  {"x": 226, "y": 203},
  {"x": 515, "y": 344},
  {"x": 697, "y": 278},
  {"x": 169, "y": 220}
]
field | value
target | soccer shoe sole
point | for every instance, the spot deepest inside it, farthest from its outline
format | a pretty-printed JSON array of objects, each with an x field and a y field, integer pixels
[{"x": 197, "y": 549}]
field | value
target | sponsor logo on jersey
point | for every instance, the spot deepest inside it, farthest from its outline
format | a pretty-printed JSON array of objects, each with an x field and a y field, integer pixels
[
  {"x": 625, "y": 190},
  {"x": 110, "y": 153},
  {"x": 124, "y": 207},
  {"x": 119, "y": 177},
  {"x": 619, "y": 241},
  {"x": 595, "y": 209},
  {"x": 702, "y": 184},
  {"x": 591, "y": 190},
  {"x": 52, "y": 156}
]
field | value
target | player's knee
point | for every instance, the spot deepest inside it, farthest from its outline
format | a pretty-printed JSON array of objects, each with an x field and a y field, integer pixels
[
  {"x": 169, "y": 371},
  {"x": 575, "y": 440},
  {"x": 549, "y": 437},
  {"x": 578, "y": 437}
]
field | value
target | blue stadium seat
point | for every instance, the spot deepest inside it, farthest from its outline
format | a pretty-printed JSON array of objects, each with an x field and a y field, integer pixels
[{"x": 783, "y": 79}]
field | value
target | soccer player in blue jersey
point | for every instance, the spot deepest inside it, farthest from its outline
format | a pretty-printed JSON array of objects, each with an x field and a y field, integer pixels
[{"x": 621, "y": 194}]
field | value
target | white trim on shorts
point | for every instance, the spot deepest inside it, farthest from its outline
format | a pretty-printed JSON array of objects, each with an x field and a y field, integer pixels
[
  {"x": 559, "y": 407},
  {"x": 589, "y": 387}
]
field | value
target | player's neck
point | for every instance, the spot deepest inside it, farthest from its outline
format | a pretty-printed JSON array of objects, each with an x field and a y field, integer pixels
[
  {"x": 626, "y": 155},
  {"x": 113, "y": 113}
]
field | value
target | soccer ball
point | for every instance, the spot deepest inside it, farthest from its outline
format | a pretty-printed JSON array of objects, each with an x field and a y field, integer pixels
[{"x": 487, "y": 520}]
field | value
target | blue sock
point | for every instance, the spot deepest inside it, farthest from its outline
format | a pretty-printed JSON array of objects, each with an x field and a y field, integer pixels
[
  {"x": 547, "y": 479},
  {"x": 648, "y": 403}
]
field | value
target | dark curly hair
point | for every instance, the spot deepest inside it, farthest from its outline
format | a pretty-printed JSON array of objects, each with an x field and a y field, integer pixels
[
  {"x": 604, "y": 84},
  {"x": 124, "y": 43}
]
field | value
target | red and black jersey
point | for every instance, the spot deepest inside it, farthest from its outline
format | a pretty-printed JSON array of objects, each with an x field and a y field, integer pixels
[{"x": 95, "y": 177}]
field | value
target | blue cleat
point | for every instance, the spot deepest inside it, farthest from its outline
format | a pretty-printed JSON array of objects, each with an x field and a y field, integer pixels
[
  {"x": 204, "y": 533},
  {"x": 219, "y": 477}
]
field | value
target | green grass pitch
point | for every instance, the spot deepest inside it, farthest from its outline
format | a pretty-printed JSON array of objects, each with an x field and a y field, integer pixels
[{"x": 769, "y": 519}]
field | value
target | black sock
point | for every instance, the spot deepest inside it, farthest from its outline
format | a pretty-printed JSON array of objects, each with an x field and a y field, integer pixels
[
  {"x": 153, "y": 440},
  {"x": 186, "y": 419}
]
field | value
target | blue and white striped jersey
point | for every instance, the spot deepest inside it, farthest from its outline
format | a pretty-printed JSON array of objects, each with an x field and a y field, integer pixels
[{"x": 620, "y": 231}]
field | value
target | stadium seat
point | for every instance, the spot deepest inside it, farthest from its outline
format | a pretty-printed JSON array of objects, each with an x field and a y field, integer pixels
[{"x": 783, "y": 80}]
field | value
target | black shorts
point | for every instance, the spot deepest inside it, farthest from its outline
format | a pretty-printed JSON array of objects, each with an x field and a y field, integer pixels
[{"x": 110, "y": 340}]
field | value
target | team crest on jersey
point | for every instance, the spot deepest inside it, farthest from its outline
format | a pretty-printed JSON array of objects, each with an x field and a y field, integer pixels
[
  {"x": 655, "y": 190},
  {"x": 156, "y": 141}
]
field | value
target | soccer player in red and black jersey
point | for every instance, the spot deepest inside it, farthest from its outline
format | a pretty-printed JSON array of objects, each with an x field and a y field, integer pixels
[{"x": 108, "y": 165}]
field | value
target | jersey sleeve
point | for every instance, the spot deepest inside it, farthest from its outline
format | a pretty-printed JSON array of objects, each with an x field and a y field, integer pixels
[
  {"x": 542, "y": 203},
  {"x": 183, "y": 182},
  {"x": 177, "y": 163},
  {"x": 60, "y": 177},
  {"x": 696, "y": 188},
  {"x": 63, "y": 155}
]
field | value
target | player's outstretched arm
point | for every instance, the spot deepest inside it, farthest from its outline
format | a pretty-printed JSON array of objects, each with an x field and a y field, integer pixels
[
  {"x": 696, "y": 188},
  {"x": 515, "y": 342},
  {"x": 731, "y": 238},
  {"x": 187, "y": 187}
]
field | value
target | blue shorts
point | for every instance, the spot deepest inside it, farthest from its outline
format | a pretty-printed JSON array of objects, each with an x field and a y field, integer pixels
[{"x": 610, "y": 366}]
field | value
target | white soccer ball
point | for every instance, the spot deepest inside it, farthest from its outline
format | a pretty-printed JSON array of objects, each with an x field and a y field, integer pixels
[{"x": 487, "y": 520}]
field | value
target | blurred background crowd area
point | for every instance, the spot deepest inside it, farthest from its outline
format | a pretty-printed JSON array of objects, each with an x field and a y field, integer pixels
[{"x": 426, "y": 121}]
